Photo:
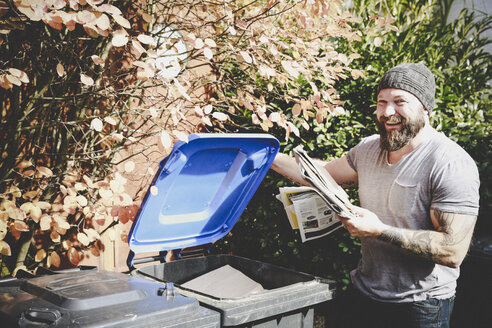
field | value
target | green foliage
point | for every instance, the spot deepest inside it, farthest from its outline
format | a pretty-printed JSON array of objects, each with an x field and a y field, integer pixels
[{"x": 454, "y": 52}]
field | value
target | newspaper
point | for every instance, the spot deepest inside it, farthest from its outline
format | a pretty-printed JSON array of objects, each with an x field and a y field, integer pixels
[
  {"x": 308, "y": 212},
  {"x": 312, "y": 209}
]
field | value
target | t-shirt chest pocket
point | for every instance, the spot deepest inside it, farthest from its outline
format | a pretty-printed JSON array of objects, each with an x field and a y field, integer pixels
[{"x": 402, "y": 198}]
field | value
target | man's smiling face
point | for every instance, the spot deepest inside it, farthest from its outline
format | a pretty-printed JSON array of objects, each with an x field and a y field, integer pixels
[{"x": 399, "y": 117}]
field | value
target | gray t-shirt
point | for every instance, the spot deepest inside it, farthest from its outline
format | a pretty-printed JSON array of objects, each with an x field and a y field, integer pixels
[{"x": 439, "y": 175}]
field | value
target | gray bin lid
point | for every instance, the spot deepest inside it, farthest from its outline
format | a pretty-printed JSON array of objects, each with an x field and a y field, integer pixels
[{"x": 99, "y": 298}]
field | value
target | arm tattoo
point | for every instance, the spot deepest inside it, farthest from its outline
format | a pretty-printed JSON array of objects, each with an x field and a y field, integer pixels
[
  {"x": 417, "y": 242},
  {"x": 452, "y": 233},
  {"x": 348, "y": 184},
  {"x": 445, "y": 221}
]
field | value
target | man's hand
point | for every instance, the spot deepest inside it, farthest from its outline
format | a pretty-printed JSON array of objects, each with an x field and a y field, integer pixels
[{"x": 365, "y": 224}]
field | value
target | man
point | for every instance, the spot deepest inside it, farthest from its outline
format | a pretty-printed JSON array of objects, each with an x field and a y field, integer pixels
[{"x": 418, "y": 192}]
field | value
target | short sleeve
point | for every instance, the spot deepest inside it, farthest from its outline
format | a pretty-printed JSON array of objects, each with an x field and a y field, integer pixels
[
  {"x": 351, "y": 158},
  {"x": 456, "y": 187},
  {"x": 359, "y": 153}
]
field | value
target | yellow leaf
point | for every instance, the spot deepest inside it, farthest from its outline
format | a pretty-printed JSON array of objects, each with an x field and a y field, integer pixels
[
  {"x": 198, "y": 44},
  {"x": 148, "y": 18},
  {"x": 35, "y": 213},
  {"x": 17, "y": 214},
  {"x": 92, "y": 234},
  {"x": 275, "y": 117},
  {"x": 85, "y": 16},
  {"x": 166, "y": 140},
  {"x": 3, "y": 227},
  {"x": 97, "y": 124},
  {"x": 207, "y": 109},
  {"x": 55, "y": 237},
  {"x": 63, "y": 224},
  {"x": 103, "y": 22},
  {"x": 198, "y": 110},
  {"x": 296, "y": 110},
  {"x": 15, "y": 191},
  {"x": 137, "y": 48},
  {"x": 180, "y": 135},
  {"x": 220, "y": 116},
  {"x": 83, "y": 239},
  {"x": 4, "y": 83},
  {"x": 88, "y": 181},
  {"x": 54, "y": 260},
  {"x": 30, "y": 194},
  {"x": 80, "y": 186},
  {"x": 60, "y": 70},
  {"x": 28, "y": 173},
  {"x": 110, "y": 9},
  {"x": 74, "y": 256},
  {"x": 42, "y": 205},
  {"x": 40, "y": 255},
  {"x": 5, "y": 248},
  {"x": 15, "y": 72},
  {"x": 120, "y": 38},
  {"x": 122, "y": 21},
  {"x": 181, "y": 90},
  {"x": 81, "y": 200},
  {"x": 97, "y": 60},
  {"x": 207, "y": 120},
  {"x": 207, "y": 52},
  {"x": 110, "y": 120},
  {"x": 13, "y": 79},
  {"x": 45, "y": 171},
  {"x": 86, "y": 80},
  {"x": 247, "y": 58},
  {"x": 45, "y": 222},
  {"x": 145, "y": 39},
  {"x": 378, "y": 41},
  {"x": 293, "y": 128}
]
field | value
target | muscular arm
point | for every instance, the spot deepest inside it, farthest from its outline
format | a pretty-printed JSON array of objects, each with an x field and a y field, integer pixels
[
  {"x": 338, "y": 168},
  {"x": 447, "y": 245},
  {"x": 287, "y": 166}
]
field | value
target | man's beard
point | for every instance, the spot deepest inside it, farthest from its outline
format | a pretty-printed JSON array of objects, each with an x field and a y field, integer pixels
[{"x": 393, "y": 140}]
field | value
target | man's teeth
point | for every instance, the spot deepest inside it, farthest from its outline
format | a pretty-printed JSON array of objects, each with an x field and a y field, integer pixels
[{"x": 393, "y": 120}]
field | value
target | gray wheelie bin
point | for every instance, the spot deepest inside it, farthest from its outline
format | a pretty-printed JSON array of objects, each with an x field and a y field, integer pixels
[
  {"x": 92, "y": 298},
  {"x": 196, "y": 197}
]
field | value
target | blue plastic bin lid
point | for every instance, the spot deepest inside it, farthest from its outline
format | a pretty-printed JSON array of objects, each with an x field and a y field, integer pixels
[{"x": 200, "y": 190}]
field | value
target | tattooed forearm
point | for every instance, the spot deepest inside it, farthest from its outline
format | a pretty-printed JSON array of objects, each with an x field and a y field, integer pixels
[
  {"x": 417, "y": 242},
  {"x": 447, "y": 244}
]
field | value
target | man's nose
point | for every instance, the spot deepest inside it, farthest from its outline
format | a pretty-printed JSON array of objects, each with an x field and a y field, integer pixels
[{"x": 389, "y": 110}]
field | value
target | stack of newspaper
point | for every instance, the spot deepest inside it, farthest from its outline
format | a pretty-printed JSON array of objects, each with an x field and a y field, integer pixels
[{"x": 312, "y": 209}]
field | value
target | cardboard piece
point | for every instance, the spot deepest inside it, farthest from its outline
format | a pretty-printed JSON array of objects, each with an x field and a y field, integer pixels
[{"x": 224, "y": 282}]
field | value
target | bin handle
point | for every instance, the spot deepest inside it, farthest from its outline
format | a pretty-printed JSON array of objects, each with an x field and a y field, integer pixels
[{"x": 37, "y": 316}]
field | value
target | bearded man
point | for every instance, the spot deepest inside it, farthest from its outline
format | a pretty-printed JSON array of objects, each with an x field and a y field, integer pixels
[{"x": 419, "y": 200}]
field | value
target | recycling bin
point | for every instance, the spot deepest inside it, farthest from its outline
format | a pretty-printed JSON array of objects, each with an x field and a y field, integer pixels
[
  {"x": 196, "y": 197},
  {"x": 92, "y": 298}
]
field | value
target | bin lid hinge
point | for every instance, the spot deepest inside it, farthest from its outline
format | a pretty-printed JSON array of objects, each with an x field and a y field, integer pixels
[
  {"x": 190, "y": 252},
  {"x": 164, "y": 256}
]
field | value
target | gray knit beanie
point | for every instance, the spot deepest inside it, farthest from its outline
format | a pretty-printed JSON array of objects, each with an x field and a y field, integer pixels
[{"x": 415, "y": 78}]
